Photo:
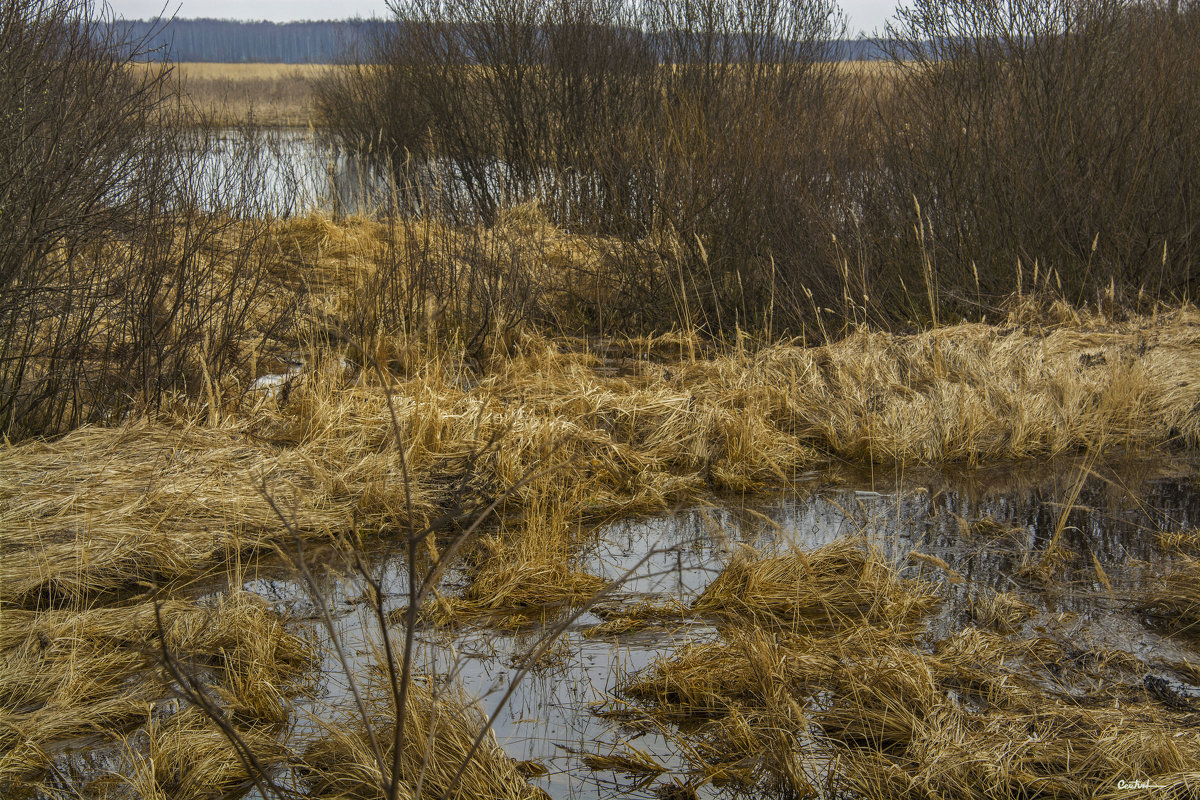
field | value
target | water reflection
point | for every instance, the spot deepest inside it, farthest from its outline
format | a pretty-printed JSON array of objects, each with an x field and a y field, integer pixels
[{"x": 284, "y": 172}]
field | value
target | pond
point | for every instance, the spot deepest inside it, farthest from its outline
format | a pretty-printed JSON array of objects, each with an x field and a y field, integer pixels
[{"x": 282, "y": 172}]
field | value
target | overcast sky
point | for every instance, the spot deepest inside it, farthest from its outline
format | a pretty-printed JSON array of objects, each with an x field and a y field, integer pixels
[{"x": 864, "y": 15}]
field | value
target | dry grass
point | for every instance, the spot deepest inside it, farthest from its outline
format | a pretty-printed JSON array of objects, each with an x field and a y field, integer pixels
[
  {"x": 841, "y": 585},
  {"x": 625, "y": 759},
  {"x": 274, "y": 94},
  {"x": 1174, "y": 599},
  {"x": 1001, "y": 611},
  {"x": 106, "y": 510},
  {"x": 186, "y": 756},
  {"x": 67, "y": 674},
  {"x": 440, "y": 729},
  {"x": 860, "y": 711},
  {"x": 620, "y": 618},
  {"x": 1185, "y": 540},
  {"x": 149, "y": 503},
  {"x": 525, "y": 570}
]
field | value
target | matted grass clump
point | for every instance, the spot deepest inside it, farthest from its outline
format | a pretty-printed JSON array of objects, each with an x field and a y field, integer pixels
[
  {"x": 185, "y": 755},
  {"x": 106, "y": 512},
  {"x": 1174, "y": 599},
  {"x": 66, "y": 674},
  {"x": 440, "y": 728},
  {"x": 524, "y": 570},
  {"x": 842, "y": 585}
]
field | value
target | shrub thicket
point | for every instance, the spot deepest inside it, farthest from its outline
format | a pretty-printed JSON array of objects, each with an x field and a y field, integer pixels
[
  {"x": 696, "y": 132},
  {"x": 1059, "y": 134},
  {"x": 755, "y": 182},
  {"x": 110, "y": 233}
]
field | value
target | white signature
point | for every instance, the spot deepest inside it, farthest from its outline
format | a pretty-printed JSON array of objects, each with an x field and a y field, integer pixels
[{"x": 1139, "y": 785}]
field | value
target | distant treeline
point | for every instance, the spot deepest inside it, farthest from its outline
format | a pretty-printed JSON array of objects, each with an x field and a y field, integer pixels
[{"x": 233, "y": 41}]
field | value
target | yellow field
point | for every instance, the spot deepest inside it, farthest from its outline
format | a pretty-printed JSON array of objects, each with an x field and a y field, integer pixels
[
  {"x": 274, "y": 94},
  {"x": 281, "y": 94}
]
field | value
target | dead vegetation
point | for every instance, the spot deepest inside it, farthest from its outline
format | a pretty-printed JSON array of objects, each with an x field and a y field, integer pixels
[
  {"x": 1174, "y": 599},
  {"x": 857, "y": 709},
  {"x": 219, "y": 384},
  {"x": 66, "y": 674},
  {"x": 106, "y": 510},
  {"x": 583, "y": 431},
  {"x": 838, "y": 586},
  {"x": 1001, "y": 611},
  {"x": 440, "y": 729},
  {"x": 270, "y": 94}
]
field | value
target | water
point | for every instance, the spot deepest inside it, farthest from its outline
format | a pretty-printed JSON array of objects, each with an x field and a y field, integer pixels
[
  {"x": 1110, "y": 552},
  {"x": 284, "y": 172},
  {"x": 291, "y": 171}
]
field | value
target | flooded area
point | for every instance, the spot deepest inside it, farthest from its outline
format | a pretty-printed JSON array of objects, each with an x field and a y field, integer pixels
[
  {"x": 1078, "y": 544},
  {"x": 285, "y": 172}
]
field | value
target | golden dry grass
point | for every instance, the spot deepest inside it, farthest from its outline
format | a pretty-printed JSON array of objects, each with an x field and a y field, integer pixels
[
  {"x": 275, "y": 94},
  {"x": 861, "y": 711},
  {"x": 440, "y": 729},
  {"x": 185, "y": 756},
  {"x": 71, "y": 673},
  {"x": 838, "y": 586},
  {"x": 1001, "y": 611},
  {"x": 1174, "y": 598}
]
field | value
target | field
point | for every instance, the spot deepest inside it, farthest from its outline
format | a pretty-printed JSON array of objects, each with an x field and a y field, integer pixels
[
  {"x": 270, "y": 94},
  {"x": 280, "y": 95},
  {"x": 569, "y": 425}
]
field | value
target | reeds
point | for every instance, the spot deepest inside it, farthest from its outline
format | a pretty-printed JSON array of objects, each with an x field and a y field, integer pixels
[
  {"x": 184, "y": 755},
  {"x": 526, "y": 569},
  {"x": 1001, "y": 611}
]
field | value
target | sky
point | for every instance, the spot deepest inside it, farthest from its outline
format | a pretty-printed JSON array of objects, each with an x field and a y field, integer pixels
[{"x": 863, "y": 15}]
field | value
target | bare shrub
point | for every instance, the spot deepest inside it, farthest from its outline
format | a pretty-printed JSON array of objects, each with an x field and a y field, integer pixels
[
  {"x": 694, "y": 131},
  {"x": 124, "y": 273},
  {"x": 1055, "y": 133}
]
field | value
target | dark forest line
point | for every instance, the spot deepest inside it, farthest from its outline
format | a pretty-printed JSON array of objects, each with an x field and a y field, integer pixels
[{"x": 306, "y": 42}]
